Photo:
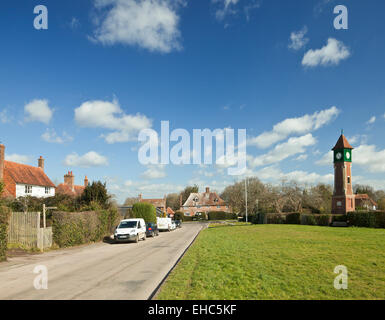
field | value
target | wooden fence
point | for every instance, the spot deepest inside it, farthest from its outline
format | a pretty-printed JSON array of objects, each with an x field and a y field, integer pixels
[{"x": 25, "y": 231}]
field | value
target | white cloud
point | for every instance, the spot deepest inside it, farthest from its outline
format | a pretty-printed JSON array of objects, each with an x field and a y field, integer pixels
[
  {"x": 149, "y": 24},
  {"x": 331, "y": 54},
  {"x": 275, "y": 174},
  {"x": 298, "y": 40},
  {"x": 284, "y": 150},
  {"x": 74, "y": 23},
  {"x": 326, "y": 160},
  {"x": 4, "y": 118},
  {"x": 109, "y": 115},
  {"x": 301, "y": 125},
  {"x": 302, "y": 157},
  {"x": 19, "y": 158},
  {"x": 39, "y": 111},
  {"x": 370, "y": 158},
  {"x": 371, "y": 120},
  {"x": 226, "y": 8},
  {"x": 90, "y": 159},
  {"x": 51, "y": 136},
  {"x": 154, "y": 172},
  {"x": 366, "y": 156}
]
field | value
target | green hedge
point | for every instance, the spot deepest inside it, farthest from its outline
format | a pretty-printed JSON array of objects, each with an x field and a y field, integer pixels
[
  {"x": 372, "y": 219},
  {"x": 187, "y": 218},
  {"x": 145, "y": 211},
  {"x": 4, "y": 221},
  {"x": 75, "y": 228},
  {"x": 221, "y": 215},
  {"x": 293, "y": 218},
  {"x": 179, "y": 216}
]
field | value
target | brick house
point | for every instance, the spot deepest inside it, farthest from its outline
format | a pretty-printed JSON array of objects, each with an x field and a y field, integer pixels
[
  {"x": 22, "y": 180},
  {"x": 363, "y": 201},
  {"x": 159, "y": 204},
  {"x": 69, "y": 187},
  {"x": 203, "y": 202}
]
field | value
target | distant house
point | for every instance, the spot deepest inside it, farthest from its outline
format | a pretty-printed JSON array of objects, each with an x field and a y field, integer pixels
[
  {"x": 159, "y": 204},
  {"x": 203, "y": 202},
  {"x": 170, "y": 212},
  {"x": 363, "y": 201},
  {"x": 69, "y": 187},
  {"x": 22, "y": 180}
]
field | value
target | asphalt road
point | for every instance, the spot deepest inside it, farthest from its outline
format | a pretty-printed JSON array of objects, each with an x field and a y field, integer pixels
[{"x": 98, "y": 271}]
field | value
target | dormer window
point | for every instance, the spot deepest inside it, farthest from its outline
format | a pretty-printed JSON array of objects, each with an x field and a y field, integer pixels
[{"x": 196, "y": 199}]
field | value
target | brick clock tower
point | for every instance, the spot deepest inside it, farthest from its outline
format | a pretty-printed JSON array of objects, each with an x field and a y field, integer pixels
[{"x": 343, "y": 196}]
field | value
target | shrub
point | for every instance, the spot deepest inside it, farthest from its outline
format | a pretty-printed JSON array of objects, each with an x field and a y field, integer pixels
[
  {"x": 187, "y": 218},
  {"x": 4, "y": 221},
  {"x": 293, "y": 218},
  {"x": 371, "y": 219},
  {"x": 323, "y": 219},
  {"x": 308, "y": 219},
  {"x": 145, "y": 211},
  {"x": 275, "y": 218},
  {"x": 75, "y": 228},
  {"x": 339, "y": 218},
  {"x": 179, "y": 216},
  {"x": 221, "y": 215}
]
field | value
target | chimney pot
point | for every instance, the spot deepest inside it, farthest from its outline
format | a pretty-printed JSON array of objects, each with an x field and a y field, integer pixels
[
  {"x": 40, "y": 163},
  {"x": 207, "y": 190}
]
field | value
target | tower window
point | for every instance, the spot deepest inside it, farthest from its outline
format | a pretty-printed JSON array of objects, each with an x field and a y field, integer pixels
[{"x": 348, "y": 180}]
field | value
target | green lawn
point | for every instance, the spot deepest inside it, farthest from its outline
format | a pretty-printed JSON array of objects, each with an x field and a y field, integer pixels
[{"x": 279, "y": 262}]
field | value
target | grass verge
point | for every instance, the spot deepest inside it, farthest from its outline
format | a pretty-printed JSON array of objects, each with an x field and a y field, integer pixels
[{"x": 279, "y": 262}]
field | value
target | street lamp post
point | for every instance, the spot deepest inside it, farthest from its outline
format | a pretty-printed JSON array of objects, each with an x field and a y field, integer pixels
[{"x": 246, "y": 197}]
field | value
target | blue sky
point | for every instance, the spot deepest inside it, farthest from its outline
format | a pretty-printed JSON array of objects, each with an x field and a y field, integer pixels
[{"x": 257, "y": 65}]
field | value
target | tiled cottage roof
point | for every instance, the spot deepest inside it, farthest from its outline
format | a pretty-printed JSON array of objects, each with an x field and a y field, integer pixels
[
  {"x": 157, "y": 203},
  {"x": 16, "y": 173},
  {"x": 342, "y": 143},
  {"x": 365, "y": 197},
  {"x": 66, "y": 189},
  {"x": 204, "y": 199}
]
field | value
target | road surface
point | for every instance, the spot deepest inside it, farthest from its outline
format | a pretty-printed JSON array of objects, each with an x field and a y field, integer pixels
[{"x": 98, "y": 271}]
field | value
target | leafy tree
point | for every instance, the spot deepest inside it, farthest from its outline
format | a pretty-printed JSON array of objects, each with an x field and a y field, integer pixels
[
  {"x": 172, "y": 201},
  {"x": 364, "y": 189},
  {"x": 187, "y": 191},
  {"x": 130, "y": 201},
  {"x": 381, "y": 204},
  {"x": 145, "y": 211},
  {"x": 96, "y": 193}
]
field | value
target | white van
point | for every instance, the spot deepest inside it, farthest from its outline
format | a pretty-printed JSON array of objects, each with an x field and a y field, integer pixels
[
  {"x": 130, "y": 230},
  {"x": 164, "y": 224}
]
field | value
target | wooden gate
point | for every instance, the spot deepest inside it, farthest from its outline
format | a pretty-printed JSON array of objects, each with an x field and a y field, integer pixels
[{"x": 25, "y": 231}]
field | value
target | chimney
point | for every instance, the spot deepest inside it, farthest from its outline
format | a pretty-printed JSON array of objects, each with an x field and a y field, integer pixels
[
  {"x": 2, "y": 155},
  {"x": 86, "y": 182},
  {"x": 180, "y": 201},
  {"x": 207, "y": 190},
  {"x": 40, "y": 163},
  {"x": 140, "y": 198},
  {"x": 69, "y": 180}
]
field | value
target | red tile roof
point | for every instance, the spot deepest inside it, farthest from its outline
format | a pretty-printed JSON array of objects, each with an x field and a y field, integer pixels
[
  {"x": 342, "y": 143},
  {"x": 66, "y": 189},
  {"x": 365, "y": 197},
  {"x": 16, "y": 173},
  {"x": 170, "y": 211},
  {"x": 204, "y": 199}
]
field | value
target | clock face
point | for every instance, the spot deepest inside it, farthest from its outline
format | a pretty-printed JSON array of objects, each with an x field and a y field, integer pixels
[
  {"x": 348, "y": 155},
  {"x": 339, "y": 156}
]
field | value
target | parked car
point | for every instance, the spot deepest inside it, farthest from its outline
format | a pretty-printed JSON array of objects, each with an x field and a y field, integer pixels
[
  {"x": 152, "y": 229},
  {"x": 178, "y": 223},
  {"x": 130, "y": 230},
  {"x": 164, "y": 224},
  {"x": 173, "y": 225}
]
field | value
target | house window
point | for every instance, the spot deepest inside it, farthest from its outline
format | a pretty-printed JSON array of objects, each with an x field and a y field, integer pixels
[
  {"x": 28, "y": 189},
  {"x": 47, "y": 190}
]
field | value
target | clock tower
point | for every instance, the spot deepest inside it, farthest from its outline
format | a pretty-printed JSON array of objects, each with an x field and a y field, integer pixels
[{"x": 343, "y": 196}]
